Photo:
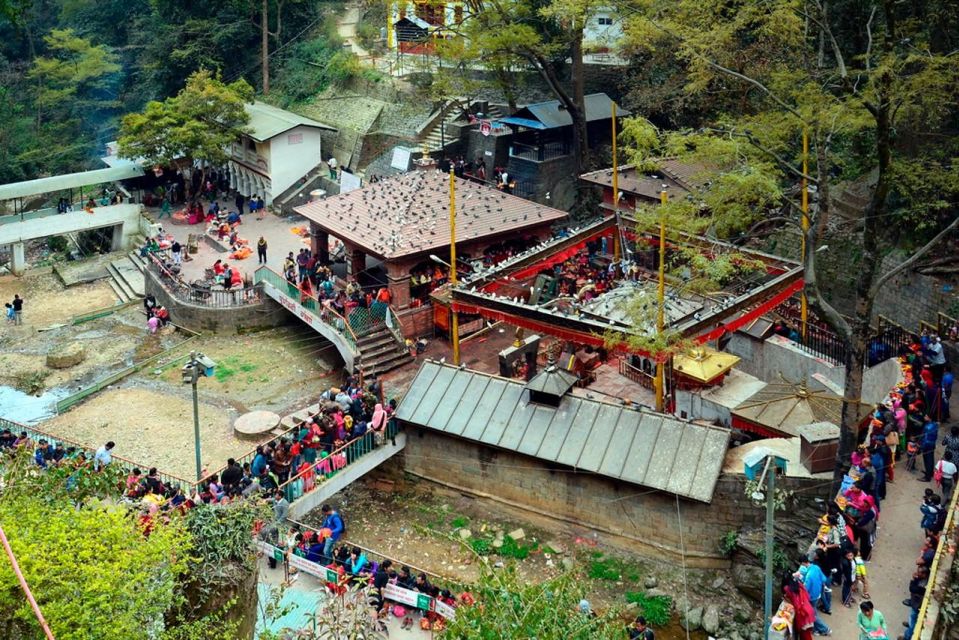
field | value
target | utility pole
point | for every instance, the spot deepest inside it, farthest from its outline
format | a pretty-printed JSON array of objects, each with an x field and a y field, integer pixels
[
  {"x": 265, "y": 45},
  {"x": 660, "y": 381},
  {"x": 455, "y": 316},
  {"x": 199, "y": 365},
  {"x": 770, "y": 539}
]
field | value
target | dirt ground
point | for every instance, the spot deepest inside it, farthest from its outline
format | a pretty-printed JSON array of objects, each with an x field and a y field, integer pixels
[
  {"x": 278, "y": 370},
  {"x": 47, "y": 301},
  {"x": 153, "y": 428},
  {"x": 420, "y": 523}
]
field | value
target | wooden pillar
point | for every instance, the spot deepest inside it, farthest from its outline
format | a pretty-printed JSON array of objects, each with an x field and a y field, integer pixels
[
  {"x": 320, "y": 243},
  {"x": 398, "y": 282}
]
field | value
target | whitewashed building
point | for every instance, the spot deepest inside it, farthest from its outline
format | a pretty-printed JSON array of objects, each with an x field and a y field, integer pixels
[{"x": 281, "y": 148}]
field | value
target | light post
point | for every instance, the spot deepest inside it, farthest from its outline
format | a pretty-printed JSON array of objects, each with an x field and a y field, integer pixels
[
  {"x": 771, "y": 465},
  {"x": 198, "y": 365}
]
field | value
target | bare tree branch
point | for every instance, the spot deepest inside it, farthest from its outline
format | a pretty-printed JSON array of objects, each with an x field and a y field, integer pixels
[{"x": 913, "y": 259}]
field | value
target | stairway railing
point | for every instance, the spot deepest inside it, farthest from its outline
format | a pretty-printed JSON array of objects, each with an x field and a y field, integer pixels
[{"x": 311, "y": 303}]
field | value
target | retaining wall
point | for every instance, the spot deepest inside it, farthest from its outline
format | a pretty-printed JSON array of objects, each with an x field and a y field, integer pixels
[
  {"x": 264, "y": 314},
  {"x": 636, "y": 518}
]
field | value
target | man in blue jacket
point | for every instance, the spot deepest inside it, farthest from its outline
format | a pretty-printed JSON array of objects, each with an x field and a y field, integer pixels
[
  {"x": 333, "y": 522},
  {"x": 815, "y": 582},
  {"x": 930, "y": 435}
]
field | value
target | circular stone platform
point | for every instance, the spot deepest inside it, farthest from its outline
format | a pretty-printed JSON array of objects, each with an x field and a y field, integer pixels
[{"x": 255, "y": 424}]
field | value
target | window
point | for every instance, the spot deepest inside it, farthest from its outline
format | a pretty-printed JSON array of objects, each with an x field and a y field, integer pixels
[{"x": 605, "y": 21}]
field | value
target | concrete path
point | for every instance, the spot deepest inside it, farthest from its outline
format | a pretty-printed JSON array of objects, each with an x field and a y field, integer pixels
[
  {"x": 346, "y": 29},
  {"x": 302, "y": 597},
  {"x": 893, "y": 558}
]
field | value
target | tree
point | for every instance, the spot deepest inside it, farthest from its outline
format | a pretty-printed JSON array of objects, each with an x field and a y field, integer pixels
[
  {"x": 873, "y": 84},
  {"x": 508, "y": 608},
  {"x": 541, "y": 35},
  {"x": 92, "y": 571},
  {"x": 72, "y": 79},
  {"x": 200, "y": 123}
]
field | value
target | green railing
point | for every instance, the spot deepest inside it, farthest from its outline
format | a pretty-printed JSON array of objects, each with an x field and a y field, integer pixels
[
  {"x": 35, "y": 435},
  {"x": 339, "y": 459},
  {"x": 316, "y": 307}
]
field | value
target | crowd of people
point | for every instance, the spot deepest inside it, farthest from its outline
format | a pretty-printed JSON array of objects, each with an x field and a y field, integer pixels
[
  {"x": 314, "y": 282},
  {"x": 903, "y": 431}
]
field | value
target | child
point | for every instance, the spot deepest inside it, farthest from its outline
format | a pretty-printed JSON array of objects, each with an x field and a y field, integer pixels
[
  {"x": 859, "y": 572},
  {"x": 11, "y": 315},
  {"x": 912, "y": 450}
]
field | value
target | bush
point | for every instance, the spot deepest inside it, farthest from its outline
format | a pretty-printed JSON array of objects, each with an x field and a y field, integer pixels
[
  {"x": 656, "y": 609},
  {"x": 57, "y": 244}
]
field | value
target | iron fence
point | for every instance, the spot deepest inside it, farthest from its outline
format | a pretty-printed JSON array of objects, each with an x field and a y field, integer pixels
[
  {"x": 202, "y": 293},
  {"x": 36, "y": 435},
  {"x": 540, "y": 152}
]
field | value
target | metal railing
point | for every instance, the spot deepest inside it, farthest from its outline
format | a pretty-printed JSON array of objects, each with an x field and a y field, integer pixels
[
  {"x": 311, "y": 303},
  {"x": 245, "y": 457},
  {"x": 540, "y": 152},
  {"x": 35, "y": 435},
  {"x": 205, "y": 295},
  {"x": 635, "y": 374},
  {"x": 325, "y": 468},
  {"x": 375, "y": 556}
]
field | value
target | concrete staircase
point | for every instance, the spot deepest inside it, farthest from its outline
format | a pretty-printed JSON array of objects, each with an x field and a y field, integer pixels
[
  {"x": 380, "y": 352},
  {"x": 435, "y": 137},
  {"x": 127, "y": 276}
]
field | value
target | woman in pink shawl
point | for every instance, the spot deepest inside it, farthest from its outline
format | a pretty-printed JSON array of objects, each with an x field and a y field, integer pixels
[{"x": 378, "y": 423}]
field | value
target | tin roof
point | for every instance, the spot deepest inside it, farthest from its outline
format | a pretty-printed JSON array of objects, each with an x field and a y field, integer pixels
[
  {"x": 786, "y": 407},
  {"x": 267, "y": 121},
  {"x": 644, "y": 448},
  {"x": 552, "y": 115},
  {"x": 409, "y": 214},
  {"x": 66, "y": 181}
]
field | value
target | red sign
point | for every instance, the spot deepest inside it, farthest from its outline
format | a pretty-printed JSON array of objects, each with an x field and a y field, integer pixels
[{"x": 486, "y": 127}]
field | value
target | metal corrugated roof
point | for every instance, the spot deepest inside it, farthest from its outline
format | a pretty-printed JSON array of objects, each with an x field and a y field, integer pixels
[
  {"x": 68, "y": 181},
  {"x": 785, "y": 407},
  {"x": 552, "y": 115},
  {"x": 267, "y": 121},
  {"x": 649, "y": 449}
]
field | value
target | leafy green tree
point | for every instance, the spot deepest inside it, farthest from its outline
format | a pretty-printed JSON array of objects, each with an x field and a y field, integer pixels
[
  {"x": 92, "y": 570},
  {"x": 72, "y": 79},
  {"x": 506, "y": 607},
  {"x": 873, "y": 84},
  {"x": 199, "y": 123}
]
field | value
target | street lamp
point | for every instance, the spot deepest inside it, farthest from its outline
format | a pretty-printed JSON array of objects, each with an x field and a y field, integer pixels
[{"x": 198, "y": 365}]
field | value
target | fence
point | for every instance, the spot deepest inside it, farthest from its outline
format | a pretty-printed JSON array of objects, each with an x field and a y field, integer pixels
[
  {"x": 540, "y": 152},
  {"x": 311, "y": 303},
  {"x": 244, "y": 458},
  {"x": 635, "y": 374},
  {"x": 325, "y": 468},
  {"x": 129, "y": 465},
  {"x": 204, "y": 293},
  {"x": 376, "y": 556}
]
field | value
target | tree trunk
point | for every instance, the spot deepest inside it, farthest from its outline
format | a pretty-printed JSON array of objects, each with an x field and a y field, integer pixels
[
  {"x": 265, "y": 45},
  {"x": 580, "y": 135}
]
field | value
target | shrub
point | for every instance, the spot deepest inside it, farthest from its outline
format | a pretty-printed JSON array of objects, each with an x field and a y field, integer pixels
[{"x": 656, "y": 609}]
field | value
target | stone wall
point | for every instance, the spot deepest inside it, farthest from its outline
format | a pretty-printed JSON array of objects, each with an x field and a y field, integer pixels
[
  {"x": 634, "y": 517},
  {"x": 265, "y": 314}
]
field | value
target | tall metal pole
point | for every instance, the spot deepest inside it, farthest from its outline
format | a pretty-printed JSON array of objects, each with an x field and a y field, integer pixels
[
  {"x": 265, "y": 45},
  {"x": 195, "y": 372},
  {"x": 805, "y": 219},
  {"x": 455, "y": 317},
  {"x": 616, "y": 248},
  {"x": 770, "y": 513},
  {"x": 661, "y": 304}
]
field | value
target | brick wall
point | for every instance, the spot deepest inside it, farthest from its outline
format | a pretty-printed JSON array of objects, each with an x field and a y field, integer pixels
[{"x": 639, "y": 519}]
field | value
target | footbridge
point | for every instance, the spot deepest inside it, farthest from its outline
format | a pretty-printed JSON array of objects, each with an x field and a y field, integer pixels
[
  {"x": 22, "y": 226},
  {"x": 369, "y": 342}
]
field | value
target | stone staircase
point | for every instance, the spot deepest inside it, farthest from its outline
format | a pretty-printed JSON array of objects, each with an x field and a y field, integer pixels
[
  {"x": 435, "y": 137},
  {"x": 127, "y": 276},
  {"x": 380, "y": 351}
]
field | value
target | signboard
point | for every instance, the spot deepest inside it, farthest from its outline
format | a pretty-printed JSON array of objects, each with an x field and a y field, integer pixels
[
  {"x": 401, "y": 158},
  {"x": 486, "y": 127},
  {"x": 349, "y": 181},
  {"x": 390, "y": 591}
]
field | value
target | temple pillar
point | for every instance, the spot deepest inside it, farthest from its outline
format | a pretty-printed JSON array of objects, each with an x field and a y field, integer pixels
[
  {"x": 320, "y": 243},
  {"x": 18, "y": 259},
  {"x": 398, "y": 282}
]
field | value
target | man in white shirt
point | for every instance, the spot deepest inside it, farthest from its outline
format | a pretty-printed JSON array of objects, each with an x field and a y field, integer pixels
[
  {"x": 103, "y": 457},
  {"x": 332, "y": 164},
  {"x": 948, "y": 469}
]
